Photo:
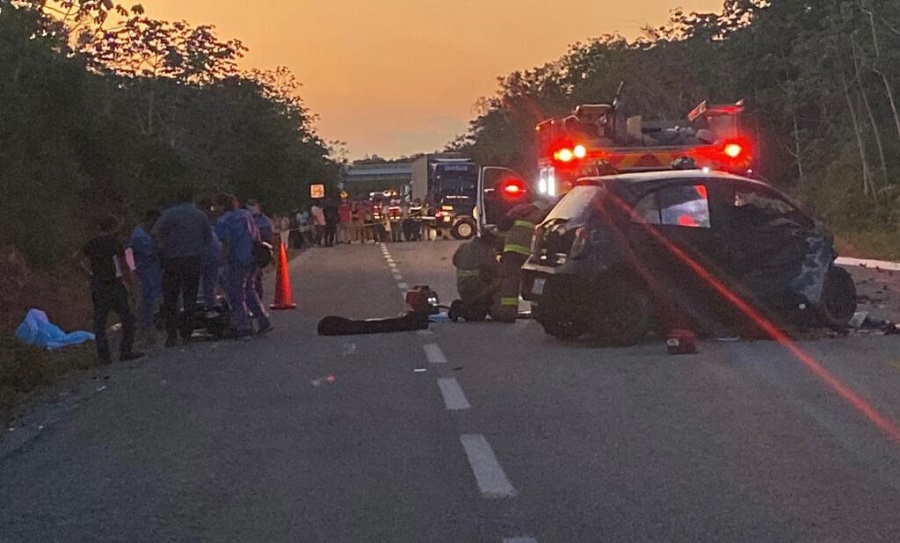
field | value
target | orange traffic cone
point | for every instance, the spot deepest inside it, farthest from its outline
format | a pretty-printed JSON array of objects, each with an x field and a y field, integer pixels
[{"x": 283, "y": 296}]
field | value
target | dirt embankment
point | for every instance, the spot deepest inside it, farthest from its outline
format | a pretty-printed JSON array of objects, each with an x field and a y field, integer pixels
[{"x": 63, "y": 294}]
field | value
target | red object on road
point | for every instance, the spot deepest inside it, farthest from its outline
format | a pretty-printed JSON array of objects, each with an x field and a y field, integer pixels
[
  {"x": 283, "y": 296},
  {"x": 681, "y": 342}
]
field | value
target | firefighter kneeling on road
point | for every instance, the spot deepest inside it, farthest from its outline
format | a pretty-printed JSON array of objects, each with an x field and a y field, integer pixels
[
  {"x": 519, "y": 225},
  {"x": 477, "y": 280}
]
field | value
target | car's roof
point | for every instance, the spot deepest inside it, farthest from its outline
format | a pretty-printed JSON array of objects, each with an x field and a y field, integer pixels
[{"x": 664, "y": 175}]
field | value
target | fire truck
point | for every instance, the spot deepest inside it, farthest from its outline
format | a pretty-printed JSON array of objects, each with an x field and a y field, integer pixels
[{"x": 597, "y": 139}]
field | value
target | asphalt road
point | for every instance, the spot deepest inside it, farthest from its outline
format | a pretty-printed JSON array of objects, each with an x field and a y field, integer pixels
[{"x": 469, "y": 433}]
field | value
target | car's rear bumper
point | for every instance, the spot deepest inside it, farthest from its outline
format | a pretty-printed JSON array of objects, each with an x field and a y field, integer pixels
[{"x": 561, "y": 280}]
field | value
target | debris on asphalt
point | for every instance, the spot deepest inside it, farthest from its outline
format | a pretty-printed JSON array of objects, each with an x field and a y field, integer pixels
[
  {"x": 333, "y": 325},
  {"x": 328, "y": 380},
  {"x": 858, "y": 319},
  {"x": 419, "y": 370}
]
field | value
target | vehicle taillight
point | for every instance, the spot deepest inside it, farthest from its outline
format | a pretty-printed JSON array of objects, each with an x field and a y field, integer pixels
[
  {"x": 513, "y": 189},
  {"x": 581, "y": 239}
]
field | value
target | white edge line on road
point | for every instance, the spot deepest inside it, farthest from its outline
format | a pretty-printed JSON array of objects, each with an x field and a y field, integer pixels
[
  {"x": 434, "y": 353},
  {"x": 403, "y": 286},
  {"x": 454, "y": 397},
  {"x": 871, "y": 264},
  {"x": 519, "y": 540},
  {"x": 491, "y": 479}
]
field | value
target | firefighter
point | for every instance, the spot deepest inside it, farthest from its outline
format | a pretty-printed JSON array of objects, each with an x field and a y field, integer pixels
[
  {"x": 519, "y": 224},
  {"x": 477, "y": 280}
]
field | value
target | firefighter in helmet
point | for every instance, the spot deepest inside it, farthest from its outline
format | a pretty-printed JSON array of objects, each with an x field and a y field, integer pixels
[
  {"x": 519, "y": 224},
  {"x": 477, "y": 279}
]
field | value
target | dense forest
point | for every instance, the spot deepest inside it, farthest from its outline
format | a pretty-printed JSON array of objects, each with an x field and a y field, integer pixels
[
  {"x": 820, "y": 78},
  {"x": 106, "y": 110}
]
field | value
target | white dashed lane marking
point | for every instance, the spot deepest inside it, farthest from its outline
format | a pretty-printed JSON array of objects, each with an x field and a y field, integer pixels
[
  {"x": 454, "y": 398},
  {"x": 434, "y": 353},
  {"x": 424, "y": 332},
  {"x": 489, "y": 474}
]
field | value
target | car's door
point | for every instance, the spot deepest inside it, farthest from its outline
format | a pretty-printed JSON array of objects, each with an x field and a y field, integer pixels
[
  {"x": 768, "y": 238},
  {"x": 499, "y": 190},
  {"x": 679, "y": 243}
]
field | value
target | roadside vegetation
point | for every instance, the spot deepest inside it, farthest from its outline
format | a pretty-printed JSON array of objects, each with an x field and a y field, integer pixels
[
  {"x": 820, "y": 79},
  {"x": 104, "y": 109}
]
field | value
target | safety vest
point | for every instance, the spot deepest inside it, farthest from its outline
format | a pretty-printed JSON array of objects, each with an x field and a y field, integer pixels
[{"x": 518, "y": 238}]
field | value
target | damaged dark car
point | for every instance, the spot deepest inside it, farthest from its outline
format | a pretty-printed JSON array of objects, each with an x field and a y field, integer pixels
[{"x": 622, "y": 255}]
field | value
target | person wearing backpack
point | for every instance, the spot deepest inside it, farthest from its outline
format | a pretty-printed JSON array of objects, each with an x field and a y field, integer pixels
[{"x": 240, "y": 244}]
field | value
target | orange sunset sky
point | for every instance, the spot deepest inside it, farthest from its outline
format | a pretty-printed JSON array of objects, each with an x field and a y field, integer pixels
[{"x": 396, "y": 77}]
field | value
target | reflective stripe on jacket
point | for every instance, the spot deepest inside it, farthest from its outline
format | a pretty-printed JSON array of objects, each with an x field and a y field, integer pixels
[{"x": 518, "y": 238}]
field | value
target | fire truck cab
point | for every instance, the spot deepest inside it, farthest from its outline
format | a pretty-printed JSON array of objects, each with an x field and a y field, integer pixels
[{"x": 597, "y": 139}]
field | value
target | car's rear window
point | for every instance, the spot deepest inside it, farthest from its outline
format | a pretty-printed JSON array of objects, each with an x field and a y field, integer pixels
[{"x": 578, "y": 203}]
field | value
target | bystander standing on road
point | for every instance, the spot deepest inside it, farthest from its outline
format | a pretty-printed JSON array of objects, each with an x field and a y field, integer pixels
[
  {"x": 103, "y": 257},
  {"x": 357, "y": 215},
  {"x": 344, "y": 222},
  {"x": 305, "y": 228},
  {"x": 266, "y": 228},
  {"x": 332, "y": 218},
  {"x": 212, "y": 262},
  {"x": 183, "y": 235},
  {"x": 369, "y": 222},
  {"x": 384, "y": 226},
  {"x": 284, "y": 229},
  {"x": 149, "y": 274},
  {"x": 317, "y": 215},
  {"x": 238, "y": 233}
]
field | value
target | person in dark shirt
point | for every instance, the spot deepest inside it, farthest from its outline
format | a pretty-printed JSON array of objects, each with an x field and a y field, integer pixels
[
  {"x": 331, "y": 222},
  {"x": 103, "y": 257},
  {"x": 183, "y": 236}
]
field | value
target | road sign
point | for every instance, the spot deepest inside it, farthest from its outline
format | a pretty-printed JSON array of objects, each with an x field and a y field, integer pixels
[{"x": 317, "y": 191}]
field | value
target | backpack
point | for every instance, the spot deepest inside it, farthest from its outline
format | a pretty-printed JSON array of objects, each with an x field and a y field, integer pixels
[{"x": 262, "y": 253}]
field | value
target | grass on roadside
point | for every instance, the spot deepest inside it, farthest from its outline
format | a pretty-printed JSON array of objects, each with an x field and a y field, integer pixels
[
  {"x": 868, "y": 244},
  {"x": 25, "y": 369}
]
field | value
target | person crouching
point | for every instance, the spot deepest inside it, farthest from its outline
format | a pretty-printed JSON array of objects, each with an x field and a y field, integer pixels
[{"x": 236, "y": 229}]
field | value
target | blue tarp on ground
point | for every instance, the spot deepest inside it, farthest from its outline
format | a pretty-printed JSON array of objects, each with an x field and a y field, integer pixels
[{"x": 37, "y": 330}]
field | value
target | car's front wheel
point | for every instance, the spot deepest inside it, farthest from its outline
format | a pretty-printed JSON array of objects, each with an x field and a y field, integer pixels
[{"x": 838, "y": 298}]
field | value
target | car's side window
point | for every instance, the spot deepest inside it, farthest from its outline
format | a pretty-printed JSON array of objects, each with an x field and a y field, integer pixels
[
  {"x": 647, "y": 210},
  {"x": 684, "y": 205}
]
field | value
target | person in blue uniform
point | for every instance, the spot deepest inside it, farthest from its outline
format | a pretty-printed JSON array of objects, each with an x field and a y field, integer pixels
[
  {"x": 238, "y": 232},
  {"x": 148, "y": 269},
  {"x": 266, "y": 234}
]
